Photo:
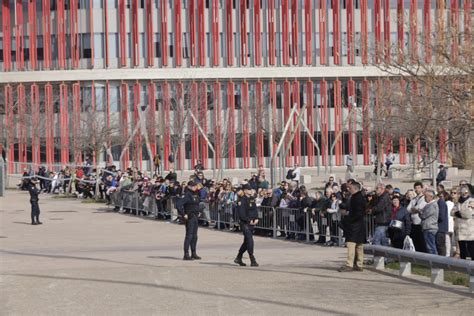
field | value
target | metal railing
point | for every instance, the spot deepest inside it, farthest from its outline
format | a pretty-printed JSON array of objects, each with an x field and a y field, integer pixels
[{"x": 436, "y": 263}]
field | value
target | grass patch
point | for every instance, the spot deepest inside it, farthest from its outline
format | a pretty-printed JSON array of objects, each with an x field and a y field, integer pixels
[
  {"x": 88, "y": 201},
  {"x": 453, "y": 277}
]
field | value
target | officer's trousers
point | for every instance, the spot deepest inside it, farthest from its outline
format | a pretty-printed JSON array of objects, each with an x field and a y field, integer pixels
[
  {"x": 191, "y": 234},
  {"x": 247, "y": 245},
  {"x": 35, "y": 211}
]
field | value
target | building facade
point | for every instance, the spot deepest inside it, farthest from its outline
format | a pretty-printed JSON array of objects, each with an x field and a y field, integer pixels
[{"x": 216, "y": 80}]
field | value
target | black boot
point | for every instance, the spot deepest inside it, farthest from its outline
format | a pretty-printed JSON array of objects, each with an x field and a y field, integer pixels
[
  {"x": 195, "y": 256},
  {"x": 187, "y": 257},
  {"x": 253, "y": 262},
  {"x": 239, "y": 261}
]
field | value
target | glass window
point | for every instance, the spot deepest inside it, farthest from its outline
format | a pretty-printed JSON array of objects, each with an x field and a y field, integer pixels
[
  {"x": 113, "y": 45},
  {"x": 98, "y": 46}
]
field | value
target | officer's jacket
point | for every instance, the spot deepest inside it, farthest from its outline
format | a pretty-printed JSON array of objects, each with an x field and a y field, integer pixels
[
  {"x": 247, "y": 209},
  {"x": 188, "y": 204},
  {"x": 33, "y": 193}
]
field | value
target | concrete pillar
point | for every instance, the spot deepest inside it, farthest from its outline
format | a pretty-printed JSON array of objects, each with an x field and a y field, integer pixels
[
  {"x": 379, "y": 263},
  {"x": 437, "y": 276},
  {"x": 405, "y": 268}
]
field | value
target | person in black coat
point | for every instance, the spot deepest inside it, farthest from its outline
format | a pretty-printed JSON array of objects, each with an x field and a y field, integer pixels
[
  {"x": 248, "y": 217},
  {"x": 35, "y": 210},
  {"x": 353, "y": 225},
  {"x": 188, "y": 209}
]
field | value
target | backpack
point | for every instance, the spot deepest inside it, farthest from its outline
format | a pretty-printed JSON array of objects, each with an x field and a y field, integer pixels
[{"x": 290, "y": 175}]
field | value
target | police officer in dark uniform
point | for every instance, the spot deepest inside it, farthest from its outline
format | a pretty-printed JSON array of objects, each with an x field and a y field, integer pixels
[
  {"x": 248, "y": 217},
  {"x": 188, "y": 208},
  {"x": 35, "y": 210}
]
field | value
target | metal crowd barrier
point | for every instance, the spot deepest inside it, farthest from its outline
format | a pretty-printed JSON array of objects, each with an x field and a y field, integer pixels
[
  {"x": 292, "y": 223},
  {"x": 437, "y": 263}
]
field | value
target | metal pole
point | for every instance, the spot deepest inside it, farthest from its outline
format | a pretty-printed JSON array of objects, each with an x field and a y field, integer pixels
[
  {"x": 2, "y": 176},
  {"x": 274, "y": 223},
  {"x": 208, "y": 143}
]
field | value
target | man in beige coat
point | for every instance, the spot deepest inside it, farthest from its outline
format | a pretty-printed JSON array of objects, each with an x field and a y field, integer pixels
[{"x": 463, "y": 213}]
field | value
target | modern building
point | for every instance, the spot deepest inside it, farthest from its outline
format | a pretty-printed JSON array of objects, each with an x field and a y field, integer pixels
[{"x": 245, "y": 69}]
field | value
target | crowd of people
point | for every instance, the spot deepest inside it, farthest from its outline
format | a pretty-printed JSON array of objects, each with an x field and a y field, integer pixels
[{"x": 436, "y": 220}]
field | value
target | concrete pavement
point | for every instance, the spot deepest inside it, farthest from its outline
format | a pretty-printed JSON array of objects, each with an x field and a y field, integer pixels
[{"x": 85, "y": 259}]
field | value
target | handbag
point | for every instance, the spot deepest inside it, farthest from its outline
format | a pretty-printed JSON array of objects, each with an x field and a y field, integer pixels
[{"x": 408, "y": 244}]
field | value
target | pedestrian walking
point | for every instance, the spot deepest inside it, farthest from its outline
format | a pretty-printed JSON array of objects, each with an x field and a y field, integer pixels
[
  {"x": 248, "y": 217},
  {"x": 188, "y": 208},
  {"x": 35, "y": 210}
]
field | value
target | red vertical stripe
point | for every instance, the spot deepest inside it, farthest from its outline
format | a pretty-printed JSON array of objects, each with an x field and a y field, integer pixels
[
  {"x": 215, "y": 32},
  {"x": 323, "y": 29},
  {"x": 259, "y": 124},
  {"x": 22, "y": 125},
  {"x": 180, "y": 152},
  {"x": 166, "y": 134},
  {"x": 230, "y": 33},
  {"x": 123, "y": 37},
  {"x": 308, "y": 22},
  {"x": 378, "y": 30},
  {"x": 177, "y": 30},
  {"x": 32, "y": 33},
  {"x": 243, "y": 33},
  {"x": 136, "y": 120},
  {"x": 20, "y": 45},
  {"x": 443, "y": 138},
  {"x": 286, "y": 116},
  {"x": 9, "y": 120},
  {"x": 124, "y": 121},
  {"x": 49, "y": 124},
  {"x": 46, "y": 34},
  {"x": 364, "y": 31},
  {"x": 151, "y": 130},
  {"x": 285, "y": 31},
  {"x": 297, "y": 139},
  {"x": 6, "y": 23},
  {"x": 350, "y": 32},
  {"x": 245, "y": 125},
  {"x": 64, "y": 122},
  {"x": 386, "y": 30},
  {"x": 400, "y": 31},
  {"x": 413, "y": 29},
  {"x": 365, "y": 118},
  {"x": 35, "y": 120},
  {"x": 150, "y": 45},
  {"x": 231, "y": 126},
  {"x": 454, "y": 29},
  {"x": 194, "y": 129},
  {"x": 106, "y": 35},
  {"x": 61, "y": 33},
  {"x": 217, "y": 124},
  {"x": 427, "y": 30},
  {"x": 164, "y": 32},
  {"x": 257, "y": 30},
  {"x": 353, "y": 118},
  {"x": 309, "y": 122},
  {"x": 192, "y": 32},
  {"x": 467, "y": 23},
  {"x": 76, "y": 121},
  {"x": 324, "y": 121},
  {"x": 338, "y": 121},
  {"x": 271, "y": 32},
  {"x": 135, "y": 48},
  {"x": 91, "y": 32},
  {"x": 402, "y": 140},
  {"x": 294, "y": 32},
  {"x": 273, "y": 109},
  {"x": 201, "y": 33},
  {"x": 74, "y": 35},
  {"x": 336, "y": 24},
  {"x": 203, "y": 121}
]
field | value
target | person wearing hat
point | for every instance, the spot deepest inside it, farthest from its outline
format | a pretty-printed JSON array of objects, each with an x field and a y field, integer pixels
[
  {"x": 441, "y": 175},
  {"x": 35, "y": 210},
  {"x": 248, "y": 217},
  {"x": 188, "y": 209}
]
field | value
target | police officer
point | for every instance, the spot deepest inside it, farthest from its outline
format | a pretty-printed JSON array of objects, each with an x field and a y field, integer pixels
[
  {"x": 35, "y": 210},
  {"x": 188, "y": 208},
  {"x": 248, "y": 217}
]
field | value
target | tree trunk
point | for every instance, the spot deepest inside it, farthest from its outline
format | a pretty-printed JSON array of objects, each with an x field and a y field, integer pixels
[{"x": 434, "y": 163}]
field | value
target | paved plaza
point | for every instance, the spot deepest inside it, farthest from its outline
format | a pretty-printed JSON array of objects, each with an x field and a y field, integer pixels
[{"x": 86, "y": 259}]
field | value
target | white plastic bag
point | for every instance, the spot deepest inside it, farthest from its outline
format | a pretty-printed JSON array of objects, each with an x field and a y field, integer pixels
[{"x": 408, "y": 244}]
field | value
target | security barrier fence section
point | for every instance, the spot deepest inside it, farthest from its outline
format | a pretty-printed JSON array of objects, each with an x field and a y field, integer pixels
[{"x": 303, "y": 224}]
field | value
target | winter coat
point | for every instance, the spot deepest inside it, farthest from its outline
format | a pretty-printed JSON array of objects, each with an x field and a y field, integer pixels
[
  {"x": 354, "y": 223},
  {"x": 429, "y": 216},
  {"x": 463, "y": 214},
  {"x": 382, "y": 210}
]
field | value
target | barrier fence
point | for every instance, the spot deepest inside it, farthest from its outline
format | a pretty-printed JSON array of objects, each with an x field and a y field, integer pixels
[{"x": 303, "y": 224}]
